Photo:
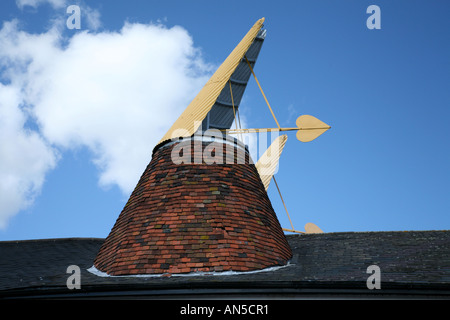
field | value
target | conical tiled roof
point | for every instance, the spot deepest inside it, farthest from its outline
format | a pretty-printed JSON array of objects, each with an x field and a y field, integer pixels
[{"x": 185, "y": 218}]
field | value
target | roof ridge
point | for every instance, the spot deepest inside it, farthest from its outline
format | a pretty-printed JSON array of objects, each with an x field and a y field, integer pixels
[{"x": 52, "y": 239}]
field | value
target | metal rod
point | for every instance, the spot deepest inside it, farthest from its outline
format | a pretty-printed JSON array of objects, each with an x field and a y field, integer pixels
[
  {"x": 234, "y": 110},
  {"x": 274, "y": 180},
  {"x": 292, "y": 230},
  {"x": 251, "y": 69},
  {"x": 271, "y": 129},
  {"x": 239, "y": 118}
]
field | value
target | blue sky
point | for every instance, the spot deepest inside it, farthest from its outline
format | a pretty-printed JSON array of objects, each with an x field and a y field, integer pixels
[{"x": 81, "y": 110}]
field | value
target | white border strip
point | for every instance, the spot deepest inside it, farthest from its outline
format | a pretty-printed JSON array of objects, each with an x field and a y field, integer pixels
[{"x": 99, "y": 273}]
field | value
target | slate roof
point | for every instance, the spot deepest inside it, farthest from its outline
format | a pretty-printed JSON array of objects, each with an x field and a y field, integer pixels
[{"x": 412, "y": 264}]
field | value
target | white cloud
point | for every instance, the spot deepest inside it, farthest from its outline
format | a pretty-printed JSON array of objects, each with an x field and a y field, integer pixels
[
  {"x": 92, "y": 17},
  {"x": 35, "y": 3},
  {"x": 25, "y": 157},
  {"x": 115, "y": 92}
]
